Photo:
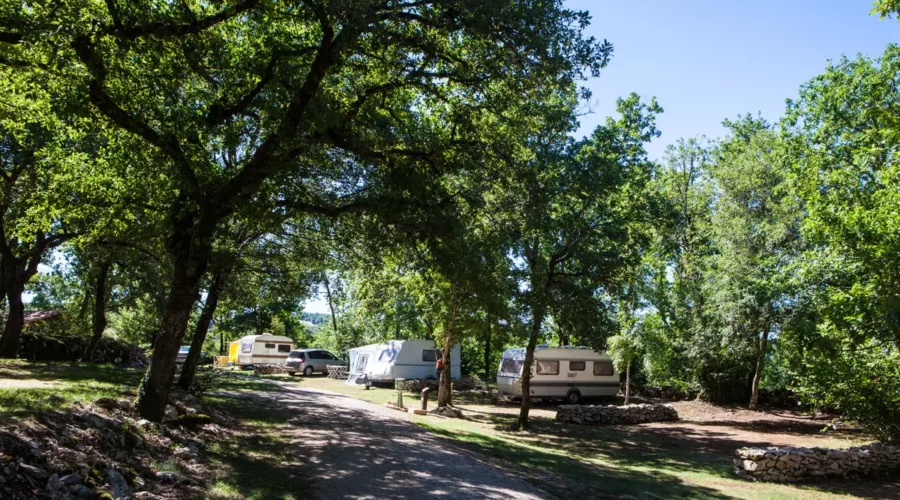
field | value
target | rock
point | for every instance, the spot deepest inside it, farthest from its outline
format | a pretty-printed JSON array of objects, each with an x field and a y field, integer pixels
[
  {"x": 53, "y": 486},
  {"x": 793, "y": 464},
  {"x": 615, "y": 415},
  {"x": 144, "y": 495},
  {"x": 167, "y": 476},
  {"x": 184, "y": 453},
  {"x": 171, "y": 413},
  {"x": 35, "y": 472},
  {"x": 82, "y": 491},
  {"x": 195, "y": 446},
  {"x": 447, "y": 411},
  {"x": 73, "y": 478},
  {"x": 118, "y": 484}
]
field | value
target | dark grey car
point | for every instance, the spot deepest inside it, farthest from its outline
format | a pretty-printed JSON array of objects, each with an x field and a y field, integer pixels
[{"x": 309, "y": 361}]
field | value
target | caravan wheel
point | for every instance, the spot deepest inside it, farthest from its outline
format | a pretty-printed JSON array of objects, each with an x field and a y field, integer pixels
[
  {"x": 308, "y": 371},
  {"x": 573, "y": 397}
]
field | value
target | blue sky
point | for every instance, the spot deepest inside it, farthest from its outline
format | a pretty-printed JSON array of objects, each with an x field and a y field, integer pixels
[{"x": 709, "y": 60}]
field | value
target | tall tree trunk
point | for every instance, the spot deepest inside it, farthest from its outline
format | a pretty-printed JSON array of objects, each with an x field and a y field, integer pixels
[
  {"x": 487, "y": 351},
  {"x": 17, "y": 272},
  {"x": 209, "y": 308},
  {"x": 627, "y": 383},
  {"x": 9, "y": 342},
  {"x": 190, "y": 247},
  {"x": 760, "y": 361},
  {"x": 537, "y": 321},
  {"x": 99, "y": 319},
  {"x": 330, "y": 303},
  {"x": 445, "y": 389}
]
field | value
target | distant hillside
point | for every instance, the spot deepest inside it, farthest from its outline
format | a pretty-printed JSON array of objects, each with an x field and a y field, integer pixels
[{"x": 316, "y": 318}]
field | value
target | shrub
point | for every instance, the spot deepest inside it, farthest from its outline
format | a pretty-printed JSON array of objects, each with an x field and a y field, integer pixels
[{"x": 862, "y": 383}]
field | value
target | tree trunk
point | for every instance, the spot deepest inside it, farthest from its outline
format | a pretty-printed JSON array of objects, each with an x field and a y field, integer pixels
[
  {"x": 627, "y": 383},
  {"x": 760, "y": 361},
  {"x": 190, "y": 247},
  {"x": 209, "y": 308},
  {"x": 9, "y": 342},
  {"x": 487, "y": 351},
  {"x": 330, "y": 303},
  {"x": 445, "y": 389},
  {"x": 99, "y": 319},
  {"x": 536, "y": 324}
]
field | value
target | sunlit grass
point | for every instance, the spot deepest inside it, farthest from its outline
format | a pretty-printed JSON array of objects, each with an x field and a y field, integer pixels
[{"x": 28, "y": 389}]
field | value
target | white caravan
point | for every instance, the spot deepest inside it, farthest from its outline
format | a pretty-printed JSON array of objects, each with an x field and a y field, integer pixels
[
  {"x": 568, "y": 372},
  {"x": 407, "y": 359},
  {"x": 265, "y": 349}
]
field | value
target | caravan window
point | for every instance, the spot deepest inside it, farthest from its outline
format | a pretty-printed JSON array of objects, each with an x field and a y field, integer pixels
[
  {"x": 548, "y": 367},
  {"x": 576, "y": 366},
  {"x": 386, "y": 355},
  {"x": 511, "y": 366},
  {"x": 430, "y": 354},
  {"x": 270, "y": 346},
  {"x": 247, "y": 347},
  {"x": 284, "y": 348},
  {"x": 603, "y": 368}
]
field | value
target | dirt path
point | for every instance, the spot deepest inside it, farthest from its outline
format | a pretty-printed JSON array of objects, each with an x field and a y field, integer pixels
[{"x": 355, "y": 449}]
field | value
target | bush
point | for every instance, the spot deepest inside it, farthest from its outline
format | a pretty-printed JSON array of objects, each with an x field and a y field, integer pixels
[
  {"x": 205, "y": 378},
  {"x": 415, "y": 385},
  {"x": 862, "y": 383}
]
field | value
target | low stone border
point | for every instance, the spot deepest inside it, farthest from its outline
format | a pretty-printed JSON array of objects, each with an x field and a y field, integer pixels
[
  {"x": 794, "y": 464},
  {"x": 615, "y": 415}
]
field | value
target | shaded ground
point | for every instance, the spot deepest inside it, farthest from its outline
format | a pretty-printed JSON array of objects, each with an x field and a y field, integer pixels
[
  {"x": 354, "y": 449},
  {"x": 686, "y": 459}
]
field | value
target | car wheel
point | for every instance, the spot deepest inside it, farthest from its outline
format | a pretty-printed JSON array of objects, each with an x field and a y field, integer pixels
[
  {"x": 573, "y": 397},
  {"x": 308, "y": 371}
]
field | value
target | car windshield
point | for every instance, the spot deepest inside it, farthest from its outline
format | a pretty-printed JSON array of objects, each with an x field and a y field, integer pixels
[
  {"x": 296, "y": 354},
  {"x": 511, "y": 366}
]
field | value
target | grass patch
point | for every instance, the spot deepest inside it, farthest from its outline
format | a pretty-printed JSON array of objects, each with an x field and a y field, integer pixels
[
  {"x": 258, "y": 462},
  {"x": 613, "y": 461},
  {"x": 596, "y": 462},
  {"x": 29, "y": 389}
]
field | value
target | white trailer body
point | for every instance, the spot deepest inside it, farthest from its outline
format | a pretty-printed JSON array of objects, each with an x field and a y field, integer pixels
[
  {"x": 407, "y": 359},
  {"x": 264, "y": 349},
  {"x": 570, "y": 373}
]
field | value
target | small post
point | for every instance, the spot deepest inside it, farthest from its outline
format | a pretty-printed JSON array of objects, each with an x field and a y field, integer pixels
[
  {"x": 425, "y": 392},
  {"x": 399, "y": 384}
]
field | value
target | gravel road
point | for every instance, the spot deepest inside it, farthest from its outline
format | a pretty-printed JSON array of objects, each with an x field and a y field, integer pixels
[{"x": 355, "y": 449}]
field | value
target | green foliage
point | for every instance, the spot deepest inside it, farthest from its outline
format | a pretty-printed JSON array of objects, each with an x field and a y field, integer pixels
[
  {"x": 846, "y": 131},
  {"x": 886, "y": 8},
  {"x": 624, "y": 350}
]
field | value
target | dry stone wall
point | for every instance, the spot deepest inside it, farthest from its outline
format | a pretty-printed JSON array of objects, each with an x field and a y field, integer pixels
[
  {"x": 615, "y": 415},
  {"x": 794, "y": 464}
]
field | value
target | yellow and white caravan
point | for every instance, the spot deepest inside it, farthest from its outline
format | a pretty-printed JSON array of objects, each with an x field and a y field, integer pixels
[{"x": 262, "y": 349}]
